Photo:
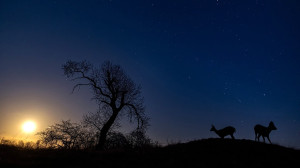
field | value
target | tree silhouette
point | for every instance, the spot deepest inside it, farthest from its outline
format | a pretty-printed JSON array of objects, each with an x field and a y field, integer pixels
[{"x": 114, "y": 91}]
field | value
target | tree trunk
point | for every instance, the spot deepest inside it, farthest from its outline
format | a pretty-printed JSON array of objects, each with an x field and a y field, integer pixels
[{"x": 105, "y": 129}]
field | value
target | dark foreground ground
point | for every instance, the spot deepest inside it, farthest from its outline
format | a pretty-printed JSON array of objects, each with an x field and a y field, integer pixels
[{"x": 201, "y": 153}]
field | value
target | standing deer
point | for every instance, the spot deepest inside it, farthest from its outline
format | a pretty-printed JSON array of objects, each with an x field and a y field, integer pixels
[
  {"x": 224, "y": 132},
  {"x": 264, "y": 131}
]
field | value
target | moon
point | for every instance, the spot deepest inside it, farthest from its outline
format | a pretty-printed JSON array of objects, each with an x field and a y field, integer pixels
[{"x": 29, "y": 127}]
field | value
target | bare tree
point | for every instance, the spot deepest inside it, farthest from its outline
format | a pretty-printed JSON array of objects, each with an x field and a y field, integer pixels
[{"x": 114, "y": 91}]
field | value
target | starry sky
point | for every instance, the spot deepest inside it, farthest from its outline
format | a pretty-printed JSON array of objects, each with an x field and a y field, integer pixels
[{"x": 199, "y": 62}]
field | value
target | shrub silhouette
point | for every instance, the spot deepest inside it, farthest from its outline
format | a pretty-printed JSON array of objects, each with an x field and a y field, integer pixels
[
  {"x": 139, "y": 139},
  {"x": 67, "y": 135},
  {"x": 116, "y": 140}
]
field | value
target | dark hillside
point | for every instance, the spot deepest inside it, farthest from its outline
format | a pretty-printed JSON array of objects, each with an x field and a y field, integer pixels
[
  {"x": 233, "y": 153},
  {"x": 200, "y": 153}
]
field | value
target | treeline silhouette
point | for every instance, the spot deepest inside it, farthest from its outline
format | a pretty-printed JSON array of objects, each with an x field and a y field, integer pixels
[
  {"x": 70, "y": 135},
  {"x": 21, "y": 143},
  {"x": 64, "y": 136}
]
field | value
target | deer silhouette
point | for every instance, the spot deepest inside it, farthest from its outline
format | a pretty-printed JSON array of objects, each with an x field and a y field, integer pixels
[
  {"x": 224, "y": 132},
  {"x": 264, "y": 131}
]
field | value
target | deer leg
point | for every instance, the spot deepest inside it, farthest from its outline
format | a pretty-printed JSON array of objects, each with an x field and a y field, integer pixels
[
  {"x": 264, "y": 139},
  {"x": 232, "y": 136},
  {"x": 258, "y": 137},
  {"x": 269, "y": 139}
]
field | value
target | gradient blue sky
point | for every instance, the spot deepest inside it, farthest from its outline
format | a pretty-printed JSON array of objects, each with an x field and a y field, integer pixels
[{"x": 200, "y": 62}]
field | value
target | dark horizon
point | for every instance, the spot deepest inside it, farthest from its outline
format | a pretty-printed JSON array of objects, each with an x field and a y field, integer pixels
[{"x": 199, "y": 63}]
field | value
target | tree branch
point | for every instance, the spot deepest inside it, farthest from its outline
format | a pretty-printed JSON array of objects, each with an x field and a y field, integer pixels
[
  {"x": 138, "y": 116},
  {"x": 78, "y": 85},
  {"x": 93, "y": 82}
]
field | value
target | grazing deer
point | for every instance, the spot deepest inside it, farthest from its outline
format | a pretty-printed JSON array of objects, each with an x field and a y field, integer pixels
[
  {"x": 224, "y": 132},
  {"x": 264, "y": 131}
]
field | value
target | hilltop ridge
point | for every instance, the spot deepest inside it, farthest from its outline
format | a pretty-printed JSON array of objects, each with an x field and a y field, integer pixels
[{"x": 228, "y": 152}]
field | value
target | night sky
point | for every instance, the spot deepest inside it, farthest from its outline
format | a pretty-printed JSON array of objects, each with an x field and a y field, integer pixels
[{"x": 199, "y": 62}]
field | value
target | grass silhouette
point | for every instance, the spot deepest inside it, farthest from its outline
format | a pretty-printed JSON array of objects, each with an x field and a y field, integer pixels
[{"x": 199, "y": 153}]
